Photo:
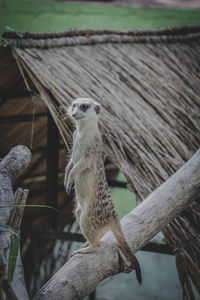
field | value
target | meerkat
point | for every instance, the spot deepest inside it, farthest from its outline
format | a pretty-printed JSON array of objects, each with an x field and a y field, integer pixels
[{"x": 95, "y": 210}]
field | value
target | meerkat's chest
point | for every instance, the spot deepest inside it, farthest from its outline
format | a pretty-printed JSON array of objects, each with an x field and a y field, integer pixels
[
  {"x": 81, "y": 147},
  {"x": 77, "y": 152}
]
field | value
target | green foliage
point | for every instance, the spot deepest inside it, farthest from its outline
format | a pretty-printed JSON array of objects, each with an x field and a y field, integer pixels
[
  {"x": 14, "y": 240},
  {"x": 13, "y": 251}
]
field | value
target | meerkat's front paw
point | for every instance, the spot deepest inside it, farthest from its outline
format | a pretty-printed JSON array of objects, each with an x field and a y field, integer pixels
[
  {"x": 65, "y": 180},
  {"x": 68, "y": 187}
]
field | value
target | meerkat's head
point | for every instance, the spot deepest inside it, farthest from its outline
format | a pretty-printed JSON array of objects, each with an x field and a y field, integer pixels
[{"x": 84, "y": 108}]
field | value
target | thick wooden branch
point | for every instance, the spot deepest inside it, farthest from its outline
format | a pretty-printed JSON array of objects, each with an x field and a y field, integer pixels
[
  {"x": 82, "y": 273},
  {"x": 11, "y": 167}
]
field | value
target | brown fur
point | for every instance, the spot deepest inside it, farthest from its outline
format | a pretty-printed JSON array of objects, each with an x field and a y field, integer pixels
[{"x": 95, "y": 211}]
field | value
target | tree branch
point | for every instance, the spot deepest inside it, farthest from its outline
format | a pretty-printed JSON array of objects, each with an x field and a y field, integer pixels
[
  {"x": 11, "y": 167},
  {"x": 82, "y": 273}
]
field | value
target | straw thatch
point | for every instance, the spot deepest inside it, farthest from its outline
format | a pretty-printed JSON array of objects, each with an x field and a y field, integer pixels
[{"x": 148, "y": 87}]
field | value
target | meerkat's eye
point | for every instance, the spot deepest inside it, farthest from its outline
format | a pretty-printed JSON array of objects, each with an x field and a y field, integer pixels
[{"x": 84, "y": 107}]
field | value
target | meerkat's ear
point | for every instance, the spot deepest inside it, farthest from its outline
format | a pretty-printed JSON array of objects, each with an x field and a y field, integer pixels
[{"x": 97, "y": 108}]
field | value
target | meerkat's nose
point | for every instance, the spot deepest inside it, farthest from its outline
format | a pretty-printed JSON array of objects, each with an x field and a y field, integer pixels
[{"x": 74, "y": 114}]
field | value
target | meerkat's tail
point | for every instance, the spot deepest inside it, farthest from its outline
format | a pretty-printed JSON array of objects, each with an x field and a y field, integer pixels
[{"x": 118, "y": 233}]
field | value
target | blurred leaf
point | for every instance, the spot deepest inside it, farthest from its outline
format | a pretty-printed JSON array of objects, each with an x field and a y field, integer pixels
[{"x": 13, "y": 251}]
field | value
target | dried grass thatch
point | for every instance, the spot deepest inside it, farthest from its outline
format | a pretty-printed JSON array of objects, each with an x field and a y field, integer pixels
[{"x": 148, "y": 86}]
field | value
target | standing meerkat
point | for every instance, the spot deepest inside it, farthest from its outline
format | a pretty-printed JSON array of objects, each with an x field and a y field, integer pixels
[{"x": 95, "y": 210}]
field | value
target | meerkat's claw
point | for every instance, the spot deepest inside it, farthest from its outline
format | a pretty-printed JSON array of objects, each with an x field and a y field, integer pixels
[
  {"x": 73, "y": 253},
  {"x": 67, "y": 190},
  {"x": 85, "y": 245},
  {"x": 87, "y": 248}
]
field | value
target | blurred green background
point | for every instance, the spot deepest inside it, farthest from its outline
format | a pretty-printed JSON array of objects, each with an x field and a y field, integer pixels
[{"x": 37, "y": 16}]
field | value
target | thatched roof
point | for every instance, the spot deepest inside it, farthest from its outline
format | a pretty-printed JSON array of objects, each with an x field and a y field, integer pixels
[{"x": 146, "y": 81}]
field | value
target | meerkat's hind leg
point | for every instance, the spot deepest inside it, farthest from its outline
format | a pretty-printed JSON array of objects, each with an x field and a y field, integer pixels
[
  {"x": 93, "y": 242},
  {"x": 85, "y": 245},
  {"x": 87, "y": 248}
]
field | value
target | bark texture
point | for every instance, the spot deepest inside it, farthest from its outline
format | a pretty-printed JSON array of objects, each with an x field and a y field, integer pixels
[{"x": 82, "y": 273}]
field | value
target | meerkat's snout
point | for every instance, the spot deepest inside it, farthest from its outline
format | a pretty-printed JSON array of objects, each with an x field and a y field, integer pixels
[{"x": 74, "y": 114}]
